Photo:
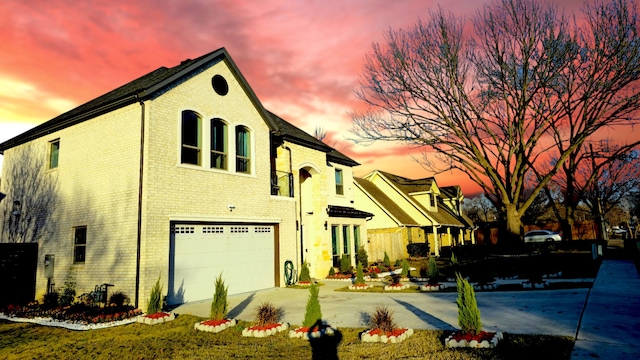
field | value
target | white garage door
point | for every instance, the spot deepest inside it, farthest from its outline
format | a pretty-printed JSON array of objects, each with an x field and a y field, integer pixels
[{"x": 244, "y": 254}]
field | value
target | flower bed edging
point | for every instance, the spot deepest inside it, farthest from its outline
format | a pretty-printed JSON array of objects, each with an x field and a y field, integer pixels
[
  {"x": 491, "y": 286},
  {"x": 303, "y": 332},
  {"x": 434, "y": 287},
  {"x": 214, "y": 326},
  {"x": 264, "y": 330},
  {"x": 377, "y": 335},
  {"x": 157, "y": 318},
  {"x": 360, "y": 287},
  {"x": 534, "y": 285},
  {"x": 396, "y": 287},
  {"x": 482, "y": 342}
]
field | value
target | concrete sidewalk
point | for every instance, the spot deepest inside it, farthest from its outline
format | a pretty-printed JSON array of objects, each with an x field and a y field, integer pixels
[{"x": 610, "y": 325}]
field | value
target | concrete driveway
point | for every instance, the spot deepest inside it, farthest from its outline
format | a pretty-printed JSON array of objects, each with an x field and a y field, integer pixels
[{"x": 548, "y": 312}]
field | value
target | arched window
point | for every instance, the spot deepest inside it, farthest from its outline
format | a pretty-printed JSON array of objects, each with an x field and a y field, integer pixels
[
  {"x": 191, "y": 138},
  {"x": 218, "y": 144},
  {"x": 243, "y": 150}
]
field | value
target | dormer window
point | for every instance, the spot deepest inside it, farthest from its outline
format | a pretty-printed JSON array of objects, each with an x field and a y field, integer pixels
[{"x": 432, "y": 200}]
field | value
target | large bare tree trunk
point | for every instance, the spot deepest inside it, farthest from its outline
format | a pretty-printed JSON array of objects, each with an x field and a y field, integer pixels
[{"x": 513, "y": 229}]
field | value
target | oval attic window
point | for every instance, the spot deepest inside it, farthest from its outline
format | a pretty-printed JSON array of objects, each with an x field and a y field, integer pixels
[{"x": 220, "y": 85}]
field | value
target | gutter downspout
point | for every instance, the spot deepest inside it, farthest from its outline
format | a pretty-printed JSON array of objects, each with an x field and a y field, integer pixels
[{"x": 140, "y": 178}]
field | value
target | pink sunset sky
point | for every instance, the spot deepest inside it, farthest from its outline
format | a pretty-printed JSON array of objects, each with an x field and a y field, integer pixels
[{"x": 301, "y": 57}]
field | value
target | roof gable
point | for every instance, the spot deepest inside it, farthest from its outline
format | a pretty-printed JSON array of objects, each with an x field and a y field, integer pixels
[
  {"x": 290, "y": 132},
  {"x": 409, "y": 188},
  {"x": 145, "y": 87}
]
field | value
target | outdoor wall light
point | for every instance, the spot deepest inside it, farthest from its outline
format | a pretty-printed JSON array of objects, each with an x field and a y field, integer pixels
[
  {"x": 231, "y": 207},
  {"x": 326, "y": 225}
]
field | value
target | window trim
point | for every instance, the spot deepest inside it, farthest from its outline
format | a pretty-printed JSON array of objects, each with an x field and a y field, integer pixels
[{"x": 77, "y": 246}]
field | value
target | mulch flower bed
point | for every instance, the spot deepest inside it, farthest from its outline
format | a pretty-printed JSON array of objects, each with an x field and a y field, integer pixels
[
  {"x": 432, "y": 287},
  {"x": 265, "y": 330},
  {"x": 157, "y": 318},
  {"x": 394, "y": 336},
  {"x": 214, "y": 326},
  {"x": 484, "y": 340},
  {"x": 317, "y": 332},
  {"x": 360, "y": 286},
  {"x": 345, "y": 277}
]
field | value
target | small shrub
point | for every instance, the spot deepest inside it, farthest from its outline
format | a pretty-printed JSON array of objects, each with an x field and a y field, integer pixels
[
  {"x": 267, "y": 314},
  {"x": 418, "y": 249},
  {"x": 359, "y": 275},
  {"x": 219, "y": 304},
  {"x": 406, "y": 270},
  {"x": 332, "y": 271},
  {"x": 155, "y": 300},
  {"x": 386, "y": 260},
  {"x": 397, "y": 263},
  {"x": 454, "y": 259},
  {"x": 382, "y": 319},
  {"x": 468, "y": 311},
  {"x": 50, "y": 300},
  {"x": 424, "y": 269},
  {"x": 345, "y": 264},
  {"x": 395, "y": 279},
  {"x": 86, "y": 299},
  {"x": 118, "y": 298},
  {"x": 313, "y": 311},
  {"x": 304, "y": 272},
  {"x": 68, "y": 294},
  {"x": 362, "y": 257},
  {"x": 433, "y": 273}
]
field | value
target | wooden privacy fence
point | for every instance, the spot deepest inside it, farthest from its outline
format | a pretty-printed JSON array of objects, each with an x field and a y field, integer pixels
[{"x": 584, "y": 230}]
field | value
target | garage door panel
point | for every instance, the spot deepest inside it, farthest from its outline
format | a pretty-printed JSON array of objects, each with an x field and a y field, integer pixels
[{"x": 244, "y": 254}]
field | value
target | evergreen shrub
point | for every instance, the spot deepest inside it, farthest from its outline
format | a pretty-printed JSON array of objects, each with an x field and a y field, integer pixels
[
  {"x": 155, "y": 300},
  {"x": 219, "y": 304},
  {"x": 304, "y": 272},
  {"x": 468, "y": 311},
  {"x": 313, "y": 311}
]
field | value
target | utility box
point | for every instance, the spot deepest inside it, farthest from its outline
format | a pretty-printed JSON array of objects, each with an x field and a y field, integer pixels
[{"x": 49, "y": 264}]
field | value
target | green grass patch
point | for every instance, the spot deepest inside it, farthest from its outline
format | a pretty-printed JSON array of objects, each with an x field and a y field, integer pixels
[{"x": 178, "y": 340}]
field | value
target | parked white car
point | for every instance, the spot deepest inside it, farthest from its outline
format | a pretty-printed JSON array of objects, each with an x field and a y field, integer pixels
[{"x": 542, "y": 236}]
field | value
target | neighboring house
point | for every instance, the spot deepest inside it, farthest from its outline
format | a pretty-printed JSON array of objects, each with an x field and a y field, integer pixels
[
  {"x": 411, "y": 211},
  {"x": 182, "y": 175}
]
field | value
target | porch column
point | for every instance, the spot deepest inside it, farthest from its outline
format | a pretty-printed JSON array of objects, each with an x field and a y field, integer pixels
[{"x": 436, "y": 241}]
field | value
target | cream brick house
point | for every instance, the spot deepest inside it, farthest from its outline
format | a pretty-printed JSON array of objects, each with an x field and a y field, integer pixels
[
  {"x": 174, "y": 176},
  {"x": 411, "y": 211}
]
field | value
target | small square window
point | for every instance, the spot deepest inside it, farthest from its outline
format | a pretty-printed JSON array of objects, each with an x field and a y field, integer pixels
[
  {"x": 79, "y": 244},
  {"x": 54, "y": 151}
]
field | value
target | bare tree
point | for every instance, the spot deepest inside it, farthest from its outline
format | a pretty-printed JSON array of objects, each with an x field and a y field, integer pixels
[
  {"x": 31, "y": 197},
  {"x": 479, "y": 209},
  {"x": 487, "y": 101}
]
